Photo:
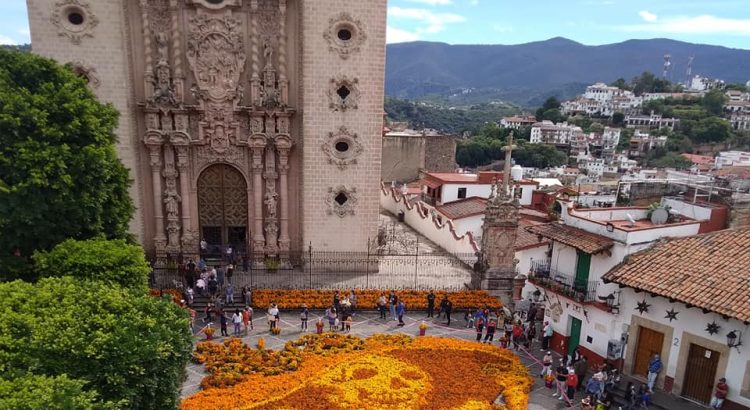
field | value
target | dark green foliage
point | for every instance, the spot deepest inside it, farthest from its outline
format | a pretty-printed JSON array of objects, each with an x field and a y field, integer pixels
[
  {"x": 713, "y": 102},
  {"x": 113, "y": 261},
  {"x": 487, "y": 146},
  {"x": 57, "y": 158},
  {"x": 660, "y": 159},
  {"x": 447, "y": 120},
  {"x": 539, "y": 156},
  {"x": 618, "y": 118},
  {"x": 129, "y": 348},
  {"x": 34, "y": 392}
]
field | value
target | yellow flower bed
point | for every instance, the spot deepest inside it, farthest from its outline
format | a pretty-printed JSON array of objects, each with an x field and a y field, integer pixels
[
  {"x": 381, "y": 372},
  {"x": 367, "y": 299}
]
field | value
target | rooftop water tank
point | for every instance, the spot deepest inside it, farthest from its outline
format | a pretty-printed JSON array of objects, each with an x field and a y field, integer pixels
[{"x": 516, "y": 173}]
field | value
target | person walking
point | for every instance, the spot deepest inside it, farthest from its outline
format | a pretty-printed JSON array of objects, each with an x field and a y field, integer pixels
[
  {"x": 382, "y": 306},
  {"x": 443, "y": 302},
  {"x": 223, "y": 321},
  {"x": 303, "y": 318},
  {"x": 430, "y": 303},
  {"x": 246, "y": 319},
  {"x": 393, "y": 301},
  {"x": 348, "y": 324},
  {"x": 237, "y": 322},
  {"x": 722, "y": 389},
  {"x": 479, "y": 325},
  {"x": 530, "y": 334},
  {"x": 448, "y": 309},
  {"x": 352, "y": 301},
  {"x": 491, "y": 326},
  {"x": 331, "y": 315},
  {"x": 208, "y": 310},
  {"x": 546, "y": 364},
  {"x": 273, "y": 316},
  {"x": 571, "y": 382},
  {"x": 400, "y": 310},
  {"x": 337, "y": 301},
  {"x": 546, "y": 336},
  {"x": 654, "y": 367},
  {"x": 229, "y": 291},
  {"x": 561, "y": 375},
  {"x": 581, "y": 367},
  {"x": 518, "y": 332}
]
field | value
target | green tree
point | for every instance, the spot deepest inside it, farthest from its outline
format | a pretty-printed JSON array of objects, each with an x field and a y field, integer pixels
[
  {"x": 57, "y": 157},
  {"x": 714, "y": 101},
  {"x": 711, "y": 129},
  {"x": 539, "y": 156},
  {"x": 553, "y": 115},
  {"x": 621, "y": 84},
  {"x": 668, "y": 160},
  {"x": 552, "y": 103},
  {"x": 129, "y": 348},
  {"x": 112, "y": 261},
  {"x": 36, "y": 392},
  {"x": 618, "y": 118}
]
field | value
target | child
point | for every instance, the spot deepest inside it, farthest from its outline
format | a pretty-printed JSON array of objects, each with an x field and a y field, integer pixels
[
  {"x": 503, "y": 342},
  {"x": 303, "y": 318},
  {"x": 319, "y": 326},
  {"x": 348, "y": 324},
  {"x": 479, "y": 326},
  {"x": 469, "y": 317},
  {"x": 246, "y": 319},
  {"x": 586, "y": 403}
]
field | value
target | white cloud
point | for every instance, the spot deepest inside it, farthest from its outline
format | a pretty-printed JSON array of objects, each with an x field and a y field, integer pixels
[
  {"x": 5, "y": 40},
  {"x": 647, "y": 16},
  {"x": 433, "y": 2},
  {"x": 705, "y": 24},
  {"x": 428, "y": 21},
  {"x": 24, "y": 32},
  {"x": 395, "y": 35},
  {"x": 500, "y": 28}
]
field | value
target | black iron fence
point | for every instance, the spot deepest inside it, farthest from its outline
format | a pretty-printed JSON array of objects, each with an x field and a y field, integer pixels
[{"x": 325, "y": 270}]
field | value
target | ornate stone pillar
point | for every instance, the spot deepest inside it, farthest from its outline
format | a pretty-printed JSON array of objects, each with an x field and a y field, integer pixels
[
  {"x": 283, "y": 144},
  {"x": 188, "y": 234},
  {"x": 171, "y": 202},
  {"x": 283, "y": 81},
  {"x": 149, "y": 76},
  {"x": 258, "y": 146},
  {"x": 179, "y": 78},
  {"x": 270, "y": 200},
  {"x": 160, "y": 240},
  {"x": 254, "y": 58}
]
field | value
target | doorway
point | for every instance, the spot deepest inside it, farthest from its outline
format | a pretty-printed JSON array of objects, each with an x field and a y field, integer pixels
[
  {"x": 222, "y": 210},
  {"x": 650, "y": 343},
  {"x": 700, "y": 373},
  {"x": 575, "y": 334}
]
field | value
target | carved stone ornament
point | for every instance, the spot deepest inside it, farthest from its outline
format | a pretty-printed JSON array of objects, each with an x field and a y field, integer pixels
[
  {"x": 206, "y": 155},
  {"x": 343, "y": 93},
  {"x": 74, "y": 19},
  {"x": 216, "y": 4},
  {"x": 342, "y": 148},
  {"x": 216, "y": 55},
  {"x": 345, "y": 35},
  {"x": 86, "y": 72},
  {"x": 341, "y": 201}
]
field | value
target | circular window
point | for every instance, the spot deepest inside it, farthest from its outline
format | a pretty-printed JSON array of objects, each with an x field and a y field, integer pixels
[
  {"x": 344, "y": 34},
  {"x": 75, "y": 18},
  {"x": 342, "y": 147}
]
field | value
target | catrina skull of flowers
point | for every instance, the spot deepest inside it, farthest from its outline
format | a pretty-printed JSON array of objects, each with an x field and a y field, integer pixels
[{"x": 376, "y": 382}]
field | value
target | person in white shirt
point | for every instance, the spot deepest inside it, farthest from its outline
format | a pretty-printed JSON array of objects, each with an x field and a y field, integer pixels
[
  {"x": 273, "y": 315},
  {"x": 237, "y": 321}
]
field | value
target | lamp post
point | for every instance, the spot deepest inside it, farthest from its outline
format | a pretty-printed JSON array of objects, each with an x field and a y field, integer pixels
[{"x": 733, "y": 340}]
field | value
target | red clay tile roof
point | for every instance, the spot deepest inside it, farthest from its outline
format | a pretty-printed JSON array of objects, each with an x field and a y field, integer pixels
[
  {"x": 463, "y": 208},
  {"x": 709, "y": 271},
  {"x": 568, "y": 235},
  {"x": 526, "y": 239}
]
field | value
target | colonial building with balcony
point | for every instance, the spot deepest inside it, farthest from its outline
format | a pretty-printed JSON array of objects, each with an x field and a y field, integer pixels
[{"x": 584, "y": 245}]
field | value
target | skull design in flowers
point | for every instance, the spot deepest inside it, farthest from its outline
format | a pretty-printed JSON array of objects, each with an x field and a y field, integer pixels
[{"x": 372, "y": 381}]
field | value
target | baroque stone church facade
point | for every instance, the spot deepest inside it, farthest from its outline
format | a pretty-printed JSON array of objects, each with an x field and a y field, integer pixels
[{"x": 246, "y": 124}]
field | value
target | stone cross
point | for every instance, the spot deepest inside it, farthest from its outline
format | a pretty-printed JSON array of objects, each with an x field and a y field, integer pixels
[{"x": 506, "y": 171}]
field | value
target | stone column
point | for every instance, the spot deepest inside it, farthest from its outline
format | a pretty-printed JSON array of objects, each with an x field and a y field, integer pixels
[
  {"x": 259, "y": 242},
  {"x": 179, "y": 78},
  {"x": 283, "y": 145},
  {"x": 283, "y": 81},
  {"x": 160, "y": 240},
  {"x": 149, "y": 75},
  {"x": 254, "y": 65},
  {"x": 188, "y": 234}
]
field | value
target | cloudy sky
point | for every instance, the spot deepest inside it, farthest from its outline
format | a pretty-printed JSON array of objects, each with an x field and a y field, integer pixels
[{"x": 720, "y": 22}]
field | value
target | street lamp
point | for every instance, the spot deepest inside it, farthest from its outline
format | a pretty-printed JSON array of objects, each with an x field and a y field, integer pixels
[{"x": 733, "y": 340}]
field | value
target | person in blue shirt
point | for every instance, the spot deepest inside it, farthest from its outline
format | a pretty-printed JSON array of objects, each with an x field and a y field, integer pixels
[
  {"x": 400, "y": 311},
  {"x": 654, "y": 367}
]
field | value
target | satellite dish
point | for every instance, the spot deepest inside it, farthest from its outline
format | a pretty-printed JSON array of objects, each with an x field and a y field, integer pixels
[{"x": 659, "y": 216}]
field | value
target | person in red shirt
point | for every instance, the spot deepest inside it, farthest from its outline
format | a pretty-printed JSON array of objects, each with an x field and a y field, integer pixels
[
  {"x": 721, "y": 393},
  {"x": 571, "y": 382}
]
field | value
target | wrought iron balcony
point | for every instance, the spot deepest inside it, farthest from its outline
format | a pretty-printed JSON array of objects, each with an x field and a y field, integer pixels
[{"x": 566, "y": 285}]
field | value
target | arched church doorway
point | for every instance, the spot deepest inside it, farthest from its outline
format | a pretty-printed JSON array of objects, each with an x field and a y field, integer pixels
[{"x": 222, "y": 210}]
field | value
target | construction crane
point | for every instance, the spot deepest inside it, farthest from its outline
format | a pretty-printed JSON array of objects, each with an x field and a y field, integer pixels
[
  {"x": 689, "y": 71},
  {"x": 667, "y": 66}
]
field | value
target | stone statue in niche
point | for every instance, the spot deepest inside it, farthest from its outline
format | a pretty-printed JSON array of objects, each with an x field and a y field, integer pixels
[
  {"x": 163, "y": 89},
  {"x": 173, "y": 234},
  {"x": 171, "y": 199},
  {"x": 162, "y": 46},
  {"x": 270, "y": 125},
  {"x": 256, "y": 125},
  {"x": 268, "y": 52},
  {"x": 270, "y": 201},
  {"x": 219, "y": 138},
  {"x": 283, "y": 124}
]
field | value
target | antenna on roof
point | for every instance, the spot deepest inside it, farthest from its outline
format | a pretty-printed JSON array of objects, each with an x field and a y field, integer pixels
[
  {"x": 689, "y": 71},
  {"x": 667, "y": 66}
]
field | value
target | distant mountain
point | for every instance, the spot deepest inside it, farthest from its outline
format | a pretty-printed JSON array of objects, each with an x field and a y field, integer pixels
[{"x": 526, "y": 74}]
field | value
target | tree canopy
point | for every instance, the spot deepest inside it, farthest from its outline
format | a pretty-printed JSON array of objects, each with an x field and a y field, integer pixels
[
  {"x": 113, "y": 261},
  {"x": 128, "y": 348},
  {"x": 539, "y": 156},
  {"x": 36, "y": 392},
  {"x": 57, "y": 158}
]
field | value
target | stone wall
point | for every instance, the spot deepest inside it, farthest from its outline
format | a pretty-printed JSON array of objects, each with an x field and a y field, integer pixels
[
  {"x": 440, "y": 153},
  {"x": 405, "y": 156}
]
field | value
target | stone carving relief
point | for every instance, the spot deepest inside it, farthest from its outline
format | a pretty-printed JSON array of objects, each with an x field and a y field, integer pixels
[
  {"x": 341, "y": 201},
  {"x": 86, "y": 72},
  {"x": 342, "y": 148},
  {"x": 172, "y": 199},
  {"x": 343, "y": 93},
  {"x": 269, "y": 16},
  {"x": 206, "y": 155},
  {"x": 164, "y": 92},
  {"x": 216, "y": 55},
  {"x": 344, "y": 35},
  {"x": 159, "y": 18},
  {"x": 74, "y": 19},
  {"x": 216, "y": 4},
  {"x": 271, "y": 199}
]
